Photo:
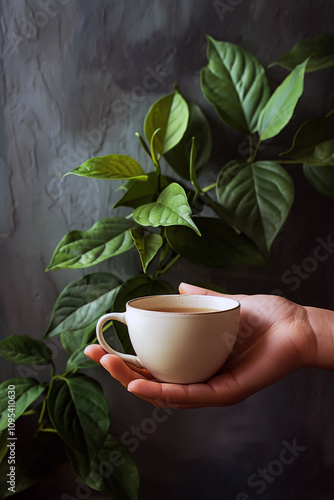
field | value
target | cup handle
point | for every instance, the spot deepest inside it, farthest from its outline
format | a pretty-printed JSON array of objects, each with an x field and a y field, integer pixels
[{"x": 99, "y": 333}]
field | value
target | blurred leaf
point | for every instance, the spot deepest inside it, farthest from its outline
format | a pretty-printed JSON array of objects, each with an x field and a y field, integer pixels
[
  {"x": 314, "y": 143},
  {"x": 219, "y": 245},
  {"x": 35, "y": 463},
  {"x": 79, "y": 412},
  {"x": 147, "y": 245},
  {"x": 137, "y": 286},
  {"x": 320, "y": 50},
  {"x": 82, "y": 302},
  {"x": 111, "y": 167},
  {"x": 198, "y": 127},
  {"x": 236, "y": 84},
  {"x": 23, "y": 349},
  {"x": 259, "y": 199},
  {"x": 281, "y": 105},
  {"x": 105, "y": 239},
  {"x": 79, "y": 360},
  {"x": 3, "y": 444},
  {"x": 321, "y": 178},
  {"x": 120, "y": 478},
  {"x": 27, "y": 390},
  {"x": 170, "y": 114},
  {"x": 171, "y": 208}
]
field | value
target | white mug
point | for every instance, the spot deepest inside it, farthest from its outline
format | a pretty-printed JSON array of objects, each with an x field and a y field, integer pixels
[{"x": 180, "y": 339}]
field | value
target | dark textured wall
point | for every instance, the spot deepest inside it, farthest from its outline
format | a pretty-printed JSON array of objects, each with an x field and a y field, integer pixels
[{"x": 75, "y": 83}]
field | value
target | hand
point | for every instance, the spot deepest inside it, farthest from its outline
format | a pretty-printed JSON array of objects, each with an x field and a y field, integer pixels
[{"x": 275, "y": 338}]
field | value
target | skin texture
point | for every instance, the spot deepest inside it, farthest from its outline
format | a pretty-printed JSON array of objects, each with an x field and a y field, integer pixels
[{"x": 276, "y": 337}]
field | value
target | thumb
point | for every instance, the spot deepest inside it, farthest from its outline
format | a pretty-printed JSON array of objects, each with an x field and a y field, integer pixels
[{"x": 186, "y": 289}]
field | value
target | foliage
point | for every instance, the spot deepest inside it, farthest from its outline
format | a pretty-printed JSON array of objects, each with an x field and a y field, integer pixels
[{"x": 233, "y": 221}]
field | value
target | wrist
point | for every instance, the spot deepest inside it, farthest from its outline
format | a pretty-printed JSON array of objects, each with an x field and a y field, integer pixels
[{"x": 320, "y": 352}]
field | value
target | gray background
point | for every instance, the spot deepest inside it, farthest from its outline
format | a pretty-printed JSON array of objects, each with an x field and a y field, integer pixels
[{"x": 74, "y": 83}]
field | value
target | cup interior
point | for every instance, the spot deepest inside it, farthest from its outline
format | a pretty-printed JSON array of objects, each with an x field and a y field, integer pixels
[{"x": 192, "y": 304}]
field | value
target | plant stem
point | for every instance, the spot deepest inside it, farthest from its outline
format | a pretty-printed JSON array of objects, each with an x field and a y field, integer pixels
[
  {"x": 256, "y": 150},
  {"x": 294, "y": 162},
  {"x": 327, "y": 115},
  {"x": 167, "y": 267},
  {"x": 251, "y": 147},
  {"x": 209, "y": 187},
  {"x": 44, "y": 429},
  {"x": 28, "y": 412}
]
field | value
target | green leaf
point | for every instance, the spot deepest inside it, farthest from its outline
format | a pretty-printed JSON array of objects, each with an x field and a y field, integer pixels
[
  {"x": 120, "y": 480},
  {"x": 314, "y": 143},
  {"x": 154, "y": 155},
  {"x": 219, "y": 245},
  {"x": 137, "y": 286},
  {"x": 147, "y": 245},
  {"x": 235, "y": 83},
  {"x": 320, "y": 50},
  {"x": 111, "y": 167},
  {"x": 74, "y": 339},
  {"x": 281, "y": 105},
  {"x": 170, "y": 209},
  {"x": 170, "y": 114},
  {"x": 321, "y": 178},
  {"x": 198, "y": 127},
  {"x": 139, "y": 193},
  {"x": 105, "y": 239},
  {"x": 259, "y": 199},
  {"x": 27, "y": 390},
  {"x": 23, "y": 349},
  {"x": 79, "y": 413},
  {"x": 78, "y": 360},
  {"x": 82, "y": 302}
]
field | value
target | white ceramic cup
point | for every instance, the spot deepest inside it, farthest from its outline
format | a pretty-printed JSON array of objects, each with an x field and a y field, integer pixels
[{"x": 183, "y": 347}]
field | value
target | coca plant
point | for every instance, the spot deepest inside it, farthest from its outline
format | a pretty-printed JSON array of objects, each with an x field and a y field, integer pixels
[{"x": 164, "y": 220}]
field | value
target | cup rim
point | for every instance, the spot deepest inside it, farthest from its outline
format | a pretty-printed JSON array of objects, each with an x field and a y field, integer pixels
[{"x": 130, "y": 302}]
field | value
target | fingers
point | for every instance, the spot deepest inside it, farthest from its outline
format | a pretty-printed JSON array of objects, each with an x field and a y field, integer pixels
[
  {"x": 117, "y": 368},
  {"x": 186, "y": 289}
]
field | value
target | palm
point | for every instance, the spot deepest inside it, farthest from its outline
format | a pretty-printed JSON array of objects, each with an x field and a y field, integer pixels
[{"x": 268, "y": 348}]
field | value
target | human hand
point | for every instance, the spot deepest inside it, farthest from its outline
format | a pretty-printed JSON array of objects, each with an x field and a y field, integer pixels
[{"x": 275, "y": 338}]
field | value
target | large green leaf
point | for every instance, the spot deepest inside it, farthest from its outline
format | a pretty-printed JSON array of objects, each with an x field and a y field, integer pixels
[
  {"x": 23, "y": 349},
  {"x": 105, "y": 239},
  {"x": 170, "y": 114},
  {"x": 137, "y": 286},
  {"x": 80, "y": 414},
  {"x": 235, "y": 83},
  {"x": 137, "y": 194},
  {"x": 170, "y": 209},
  {"x": 259, "y": 199},
  {"x": 82, "y": 302},
  {"x": 74, "y": 339},
  {"x": 147, "y": 245},
  {"x": 113, "y": 473},
  {"x": 79, "y": 361},
  {"x": 314, "y": 143},
  {"x": 320, "y": 50},
  {"x": 27, "y": 390},
  {"x": 281, "y": 105},
  {"x": 111, "y": 167},
  {"x": 198, "y": 127},
  {"x": 219, "y": 245},
  {"x": 321, "y": 178}
]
